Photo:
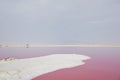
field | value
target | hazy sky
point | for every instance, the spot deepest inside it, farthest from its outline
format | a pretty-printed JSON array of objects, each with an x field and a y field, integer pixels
[{"x": 60, "y": 21}]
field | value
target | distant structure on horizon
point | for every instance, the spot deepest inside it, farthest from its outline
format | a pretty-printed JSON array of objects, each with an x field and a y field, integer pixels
[{"x": 27, "y": 45}]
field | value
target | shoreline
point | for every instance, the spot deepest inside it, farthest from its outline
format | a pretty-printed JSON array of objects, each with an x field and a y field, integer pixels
[
  {"x": 59, "y": 45},
  {"x": 29, "y": 68}
]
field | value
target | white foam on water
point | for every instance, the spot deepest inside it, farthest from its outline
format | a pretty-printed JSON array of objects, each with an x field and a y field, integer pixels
[{"x": 29, "y": 68}]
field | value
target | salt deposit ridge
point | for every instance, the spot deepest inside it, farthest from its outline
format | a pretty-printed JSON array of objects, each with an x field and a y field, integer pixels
[{"x": 29, "y": 68}]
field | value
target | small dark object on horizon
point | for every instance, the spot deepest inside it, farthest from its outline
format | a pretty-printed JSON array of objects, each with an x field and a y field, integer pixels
[{"x": 27, "y": 45}]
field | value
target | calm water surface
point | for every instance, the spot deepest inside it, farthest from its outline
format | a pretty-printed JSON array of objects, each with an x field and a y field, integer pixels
[{"x": 103, "y": 65}]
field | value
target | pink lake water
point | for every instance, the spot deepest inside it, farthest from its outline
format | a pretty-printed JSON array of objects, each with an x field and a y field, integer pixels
[{"x": 103, "y": 65}]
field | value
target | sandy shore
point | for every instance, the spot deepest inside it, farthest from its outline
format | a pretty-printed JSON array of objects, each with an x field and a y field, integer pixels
[{"x": 27, "y": 69}]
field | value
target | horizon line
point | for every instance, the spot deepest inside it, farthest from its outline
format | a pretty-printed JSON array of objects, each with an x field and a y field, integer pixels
[{"x": 58, "y": 45}]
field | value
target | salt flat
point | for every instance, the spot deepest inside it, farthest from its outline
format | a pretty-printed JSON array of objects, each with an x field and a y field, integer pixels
[{"x": 29, "y": 68}]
